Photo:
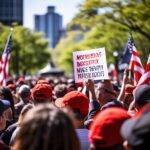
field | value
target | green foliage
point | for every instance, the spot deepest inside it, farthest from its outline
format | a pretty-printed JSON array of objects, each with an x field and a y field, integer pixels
[
  {"x": 30, "y": 51},
  {"x": 62, "y": 54},
  {"x": 107, "y": 23}
]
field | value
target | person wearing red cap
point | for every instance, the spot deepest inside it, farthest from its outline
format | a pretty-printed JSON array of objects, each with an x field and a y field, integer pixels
[
  {"x": 103, "y": 98},
  {"x": 105, "y": 130},
  {"x": 79, "y": 103},
  {"x": 41, "y": 92}
]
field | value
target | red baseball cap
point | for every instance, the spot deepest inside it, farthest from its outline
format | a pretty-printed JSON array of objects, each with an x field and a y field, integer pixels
[
  {"x": 41, "y": 91},
  {"x": 105, "y": 129},
  {"x": 75, "y": 100}
]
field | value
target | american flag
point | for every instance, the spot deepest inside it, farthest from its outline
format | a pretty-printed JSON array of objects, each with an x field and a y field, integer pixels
[
  {"x": 128, "y": 50},
  {"x": 4, "y": 62},
  {"x": 145, "y": 79},
  {"x": 124, "y": 61},
  {"x": 135, "y": 65}
]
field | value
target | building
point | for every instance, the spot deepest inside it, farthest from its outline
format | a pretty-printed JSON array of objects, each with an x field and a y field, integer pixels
[
  {"x": 50, "y": 24},
  {"x": 11, "y": 11}
]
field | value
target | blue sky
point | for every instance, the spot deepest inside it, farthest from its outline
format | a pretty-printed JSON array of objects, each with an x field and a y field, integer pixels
[{"x": 67, "y": 8}]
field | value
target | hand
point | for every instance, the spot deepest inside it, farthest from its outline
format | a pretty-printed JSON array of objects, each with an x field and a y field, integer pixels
[
  {"x": 126, "y": 78},
  {"x": 89, "y": 84}
]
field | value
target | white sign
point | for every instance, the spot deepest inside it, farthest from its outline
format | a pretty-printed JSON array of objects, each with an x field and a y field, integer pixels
[{"x": 90, "y": 64}]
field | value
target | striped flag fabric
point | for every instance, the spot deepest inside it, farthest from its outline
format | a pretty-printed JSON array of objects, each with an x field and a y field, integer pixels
[
  {"x": 135, "y": 65},
  {"x": 145, "y": 79},
  {"x": 4, "y": 62}
]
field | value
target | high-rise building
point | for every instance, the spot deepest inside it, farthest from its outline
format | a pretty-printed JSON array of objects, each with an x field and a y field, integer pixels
[
  {"x": 50, "y": 24},
  {"x": 11, "y": 11}
]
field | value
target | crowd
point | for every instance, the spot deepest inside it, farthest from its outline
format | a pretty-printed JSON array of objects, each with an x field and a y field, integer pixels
[{"x": 57, "y": 114}]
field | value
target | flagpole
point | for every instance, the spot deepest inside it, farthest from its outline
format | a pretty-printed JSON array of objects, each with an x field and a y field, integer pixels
[{"x": 11, "y": 31}]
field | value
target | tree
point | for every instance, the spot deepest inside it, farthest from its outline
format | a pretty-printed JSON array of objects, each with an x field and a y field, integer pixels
[
  {"x": 107, "y": 23},
  {"x": 30, "y": 50},
  {"x": 134, "y": 14},
  {"x": 63, "y": 51}
]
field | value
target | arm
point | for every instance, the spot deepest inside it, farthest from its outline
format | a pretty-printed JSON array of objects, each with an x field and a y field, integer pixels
[
  {"x": 91, "y": 89},
  {"x": 124, "y": 82},
  {"x": 94, "y": 105}
]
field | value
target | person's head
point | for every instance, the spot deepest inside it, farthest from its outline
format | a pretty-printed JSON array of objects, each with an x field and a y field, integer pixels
[
  {"x": 24, "y": 92},
  {"x": 105, "y": 92},
  {"x": 41, "y": 92},
  {"x": 136, "y": 131},
  {"x": 71, "y": 86},
  {"x": 46, "y": 127},
  {"x": 6, "y": 94},
  {"x": 20, "y": 81},
  {"x": 60, "y": 90},
  {"x": 141, "y": 95},
  {"x": 78, "y": 102},
  {"x": 105, "y": 129},
  {"x": 4, "y": 106}
]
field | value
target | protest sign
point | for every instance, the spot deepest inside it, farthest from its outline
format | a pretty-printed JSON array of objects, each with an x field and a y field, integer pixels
[{"x": 90, "y": 64}]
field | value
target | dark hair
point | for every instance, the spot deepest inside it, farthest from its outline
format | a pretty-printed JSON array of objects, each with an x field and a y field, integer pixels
[
  {"x": 6, "y": 93},
  {"x": 46, "y": 127},
  {"x": 60, "y": 90}
]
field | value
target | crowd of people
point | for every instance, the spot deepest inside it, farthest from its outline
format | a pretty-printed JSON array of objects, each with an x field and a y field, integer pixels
[{"x": 58, "y": 114}]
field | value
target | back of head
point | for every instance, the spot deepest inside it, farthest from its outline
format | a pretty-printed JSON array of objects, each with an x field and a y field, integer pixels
[
  {"x": 142, "y": 95},
  {"x": 46, "y": 127},
  {"x": 105, "y": 130},
  {"x": 6, "y": 93},
  {"x": 41, "y": 92},
  {"x": 24, "y": 91},
  {"x": 60, "y": 90}
]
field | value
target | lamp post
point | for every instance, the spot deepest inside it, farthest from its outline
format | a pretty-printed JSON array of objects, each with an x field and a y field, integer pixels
[{"x": 116, "y": 54}]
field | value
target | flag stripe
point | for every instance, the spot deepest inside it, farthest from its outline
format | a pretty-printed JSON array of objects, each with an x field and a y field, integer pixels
[
  {"x": 4, "y": 63},
  {"x": 138, "y": 69},
  {"x": 136, "y": 66},
  {"x": 145, "y": 79},
  {"x": 136, "y": 59}
]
